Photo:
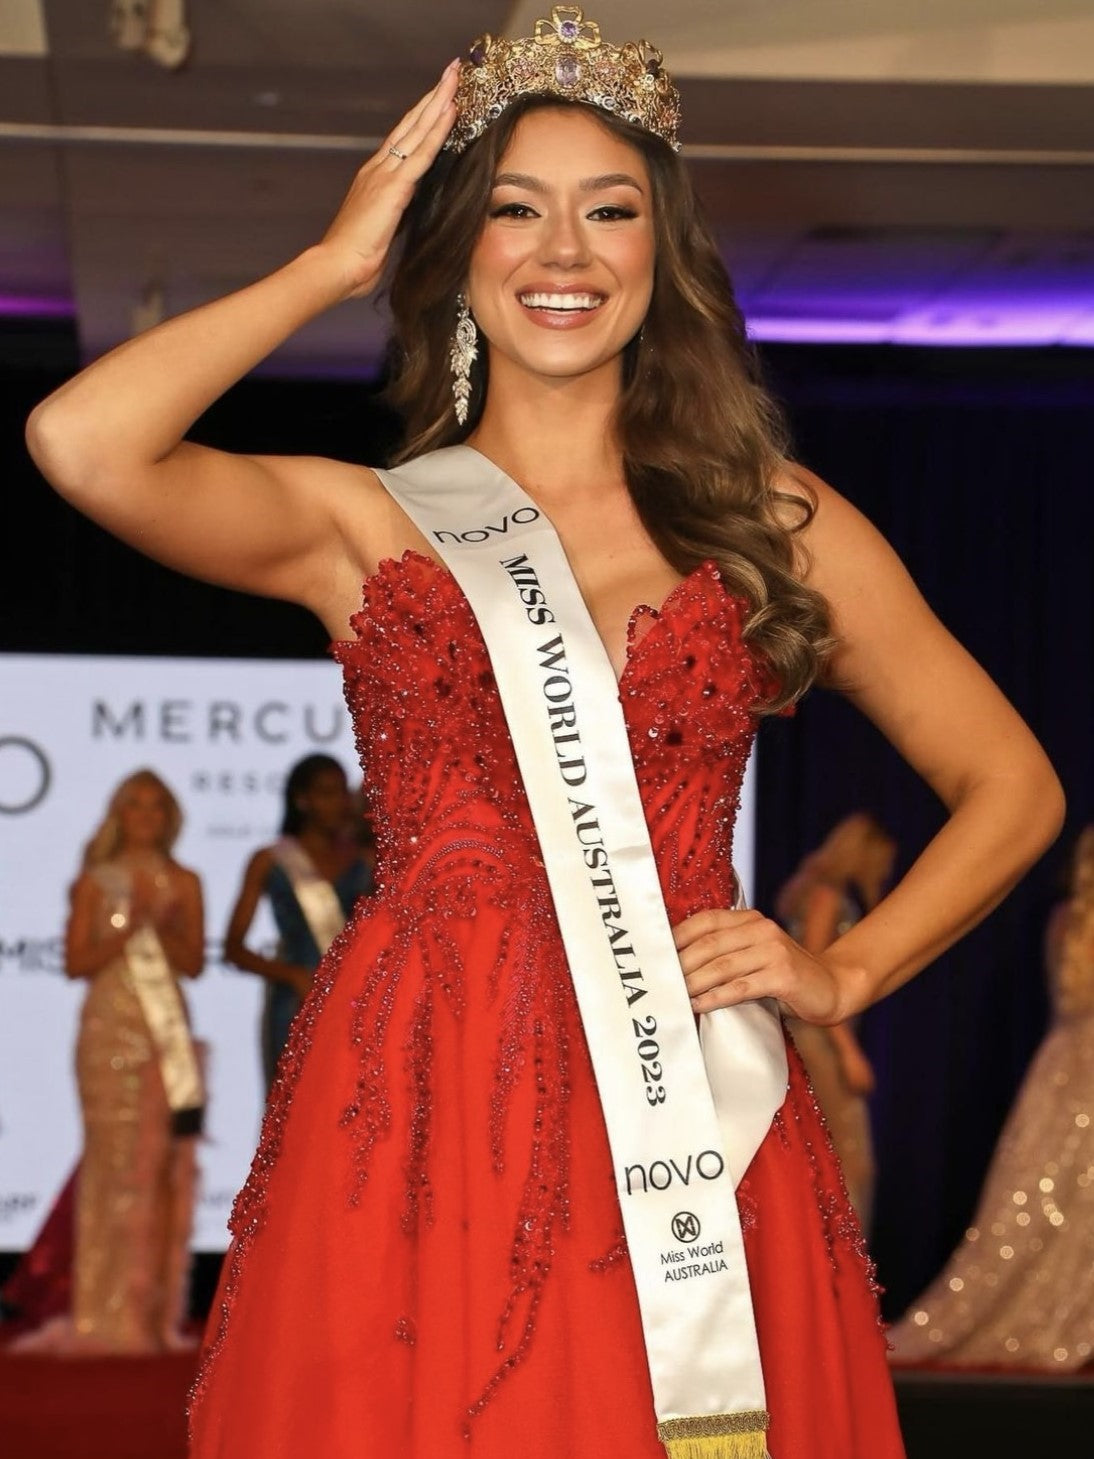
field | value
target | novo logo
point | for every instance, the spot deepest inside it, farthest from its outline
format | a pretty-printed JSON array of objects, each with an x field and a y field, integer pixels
[
  {"x": 707, "y": 1165},
  {"x": 25, "y": 775},
  {"x": 520, "y": 518}
]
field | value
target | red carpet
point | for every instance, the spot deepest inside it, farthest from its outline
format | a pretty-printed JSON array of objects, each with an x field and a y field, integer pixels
[{"x": 94, "y": 1408}]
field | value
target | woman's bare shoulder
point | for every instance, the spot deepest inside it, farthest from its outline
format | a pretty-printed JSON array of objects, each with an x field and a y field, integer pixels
[
  {"x": 842, "y": 554},
  {"x": 372, "y": 524},
  {"x": 807, "y": 502},
  {"x": 260, "y": 863},
  {"x": 366, "y": 526},
  {"x": 183, "y": 875},
  {"x": 345, "y": 489},
  {"x": 85, "y": 885}
]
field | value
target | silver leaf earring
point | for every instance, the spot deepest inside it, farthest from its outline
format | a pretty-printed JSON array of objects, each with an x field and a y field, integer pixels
[{"x": 462, "y": 355}]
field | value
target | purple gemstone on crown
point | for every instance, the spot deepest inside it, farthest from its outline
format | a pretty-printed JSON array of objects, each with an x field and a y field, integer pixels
[
  {"x": 653, "y": 67},
  {"x": 568, "y": 30},
  {"x": 567, "y": 70},
  {"x": 478, "y": 56}
]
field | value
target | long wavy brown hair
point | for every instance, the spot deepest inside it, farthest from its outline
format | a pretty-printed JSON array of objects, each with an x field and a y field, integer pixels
[{"x": 703, "y": 444}]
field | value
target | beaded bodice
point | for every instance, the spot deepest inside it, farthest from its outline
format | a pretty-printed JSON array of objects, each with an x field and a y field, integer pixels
[{"x": 433, "y": 740}]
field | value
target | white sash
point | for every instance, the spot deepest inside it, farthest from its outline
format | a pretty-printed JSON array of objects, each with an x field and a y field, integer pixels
[
  {"x": 153, "y": 982},
  {"x": 316, "y": 897},
  {"x": 681, "y": 1135}
]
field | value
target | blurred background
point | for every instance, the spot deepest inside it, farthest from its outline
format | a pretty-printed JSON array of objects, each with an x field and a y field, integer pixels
[{"x": 904, "y": 195}]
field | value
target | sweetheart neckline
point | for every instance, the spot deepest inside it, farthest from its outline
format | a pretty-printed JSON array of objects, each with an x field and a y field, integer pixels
[{"x": 388, "y": 565}]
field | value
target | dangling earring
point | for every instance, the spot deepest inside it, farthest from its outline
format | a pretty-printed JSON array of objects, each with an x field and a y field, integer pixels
[{"x": 463, "y": 353}]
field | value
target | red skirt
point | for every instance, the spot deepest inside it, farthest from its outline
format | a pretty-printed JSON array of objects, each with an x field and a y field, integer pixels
[{"x": 420, "y": 1272}]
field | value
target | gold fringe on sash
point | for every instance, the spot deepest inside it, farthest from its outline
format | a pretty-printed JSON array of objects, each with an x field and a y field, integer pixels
[{"x": 716, "y": 1436}]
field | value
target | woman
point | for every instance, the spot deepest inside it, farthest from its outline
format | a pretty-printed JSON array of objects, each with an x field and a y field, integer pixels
[
  {"x": 433, "y": 1202},
  {"x": 843, "y": 878},
  {"x": 1019, "y": 1290},
  {"x": 136, "y": 926},
  {"x": 312, "y": 876}
]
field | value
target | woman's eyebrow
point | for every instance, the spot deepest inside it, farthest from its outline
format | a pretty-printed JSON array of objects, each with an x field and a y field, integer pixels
[
  {"x": 609, "y": 179},
  {"x": 587, "y": 184},
  {"x": 520, "y": 179}
]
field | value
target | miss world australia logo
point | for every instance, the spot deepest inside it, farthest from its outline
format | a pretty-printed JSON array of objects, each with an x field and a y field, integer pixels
[
  {"x": 685, "y": 1226},
  {"x": 694, "y": 1260}
]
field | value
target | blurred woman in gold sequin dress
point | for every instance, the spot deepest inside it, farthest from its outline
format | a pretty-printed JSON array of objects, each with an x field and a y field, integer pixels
[
  {"x": 1019, "y": 1290},
  {"x": 832, "y": 888},
  {"x": 135, "y": 1189}
]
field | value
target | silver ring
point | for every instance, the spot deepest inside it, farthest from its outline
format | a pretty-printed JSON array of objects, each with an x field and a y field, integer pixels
[{"x": 394, "y": 152}]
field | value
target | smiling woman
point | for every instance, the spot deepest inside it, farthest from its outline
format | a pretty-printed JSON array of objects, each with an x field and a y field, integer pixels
[
  {"x": 505, "y": 1197},
  {"x": 571, "y": 252},
  {"x": 608, "y": 215}
]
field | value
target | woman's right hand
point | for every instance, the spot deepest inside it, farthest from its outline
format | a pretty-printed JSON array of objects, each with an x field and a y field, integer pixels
[
  {"x": 111, "y": 440},
  {"x": 365, "y": 225},
  {"x": 145, "y": 899},
  {"x": 299, "y": 979}
]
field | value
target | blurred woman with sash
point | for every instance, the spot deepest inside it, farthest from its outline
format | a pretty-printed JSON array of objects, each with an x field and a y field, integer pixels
[
  {"x": 312, "y": 877},
  {"x": 135, "y": 929},
  {"x": 834, "y": 886}
]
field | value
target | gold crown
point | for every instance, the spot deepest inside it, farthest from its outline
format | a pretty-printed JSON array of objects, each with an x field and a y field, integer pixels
[{"x": 566, "y": 57}]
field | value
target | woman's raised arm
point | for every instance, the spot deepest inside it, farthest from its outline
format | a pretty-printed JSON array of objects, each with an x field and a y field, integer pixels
[{"x": 110, "y": 439}]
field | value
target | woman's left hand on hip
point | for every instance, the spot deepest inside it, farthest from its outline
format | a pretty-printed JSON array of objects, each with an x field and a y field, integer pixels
[{"x": 735, "y": 957}]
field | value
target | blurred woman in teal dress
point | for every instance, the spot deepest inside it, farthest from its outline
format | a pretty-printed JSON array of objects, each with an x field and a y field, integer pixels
[{"x": 311, "y": 876}]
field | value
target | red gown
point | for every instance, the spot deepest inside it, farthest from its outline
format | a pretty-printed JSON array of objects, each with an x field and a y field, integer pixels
[{"x": 428, "y": 1259}]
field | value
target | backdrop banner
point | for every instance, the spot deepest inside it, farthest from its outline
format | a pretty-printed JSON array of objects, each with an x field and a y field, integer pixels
[{"x": 222, "y": 733}]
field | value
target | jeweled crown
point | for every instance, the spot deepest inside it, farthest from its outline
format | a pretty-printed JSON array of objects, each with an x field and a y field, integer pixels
[{"x": 565, "y": 57}]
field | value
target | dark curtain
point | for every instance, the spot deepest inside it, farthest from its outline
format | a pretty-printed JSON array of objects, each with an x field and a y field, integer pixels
[
  {"x": 977, "y": 467},
  {"x": 974, "y": 463},
  {"x": 75, "y": 589}
]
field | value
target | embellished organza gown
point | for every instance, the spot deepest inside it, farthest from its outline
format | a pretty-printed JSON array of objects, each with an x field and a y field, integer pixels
[{"x": 428, "y": 1259}]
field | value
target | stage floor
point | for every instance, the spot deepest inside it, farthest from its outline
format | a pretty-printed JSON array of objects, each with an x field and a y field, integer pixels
[
  {"x": 955, "y": 1414},
  {"x": 94, "y": 1408},
  {"x": 132, "y": 1408}
]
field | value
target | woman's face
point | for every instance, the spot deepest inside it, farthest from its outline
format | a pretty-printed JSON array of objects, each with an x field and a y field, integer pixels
[
  {"x": 325, "y": 805},
  {"x": 561, "y": 275},
  {"x": 143, "y": 818}
]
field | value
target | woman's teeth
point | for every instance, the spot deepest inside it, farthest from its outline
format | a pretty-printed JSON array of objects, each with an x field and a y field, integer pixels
[{"x": 561, "y": 301}]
